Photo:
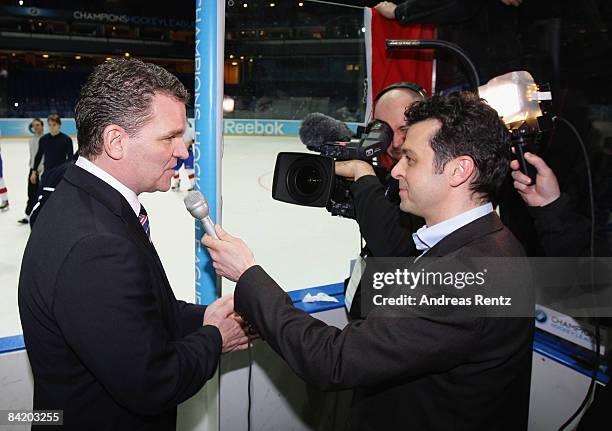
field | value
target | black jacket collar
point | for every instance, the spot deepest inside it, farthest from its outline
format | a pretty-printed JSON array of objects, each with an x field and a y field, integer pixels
[
  {"x": 99, "y": 190},
  {"x": 478, "y": 228},
  {"x": 109, "y": 197}
]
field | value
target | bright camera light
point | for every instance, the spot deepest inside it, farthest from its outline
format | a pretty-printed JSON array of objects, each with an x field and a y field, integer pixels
[{"x": 514, "y": 96}]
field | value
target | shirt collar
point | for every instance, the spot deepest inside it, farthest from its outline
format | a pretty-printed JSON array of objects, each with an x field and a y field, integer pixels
[
  {"x": 426, "y": 237},
  {"x": 126, "y": 192}
]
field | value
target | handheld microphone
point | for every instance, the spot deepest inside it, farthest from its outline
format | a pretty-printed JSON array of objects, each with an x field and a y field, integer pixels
[
  {"x": 317, "y": 129},
  {"x": 196, "y": 204}
]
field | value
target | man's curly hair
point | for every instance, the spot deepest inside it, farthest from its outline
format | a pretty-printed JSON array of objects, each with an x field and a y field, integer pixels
[{"x": 469, "y": 127}]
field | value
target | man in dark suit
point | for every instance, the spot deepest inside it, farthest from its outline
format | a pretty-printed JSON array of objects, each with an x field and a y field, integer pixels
[
  {"x": 436, "y": 371},
  {"x": 108, "y": 342}
]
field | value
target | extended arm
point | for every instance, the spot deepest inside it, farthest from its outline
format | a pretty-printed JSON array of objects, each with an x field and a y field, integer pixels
[
  {"x": 561, "y": 230},
  {"x": 366, "y": 352},
  {"x": 386, "y": 229}
]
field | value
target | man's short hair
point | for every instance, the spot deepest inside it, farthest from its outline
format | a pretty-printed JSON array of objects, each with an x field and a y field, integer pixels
[
  {"x": 121, "y": 92},
  {"x": 469, "y": 127},
  {"x": 412, "y": 87},
  {"x": 55, "y": 118}
]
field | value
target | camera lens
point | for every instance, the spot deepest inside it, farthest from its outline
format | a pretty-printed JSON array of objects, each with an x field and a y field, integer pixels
[{"x": 305, "y": 180}]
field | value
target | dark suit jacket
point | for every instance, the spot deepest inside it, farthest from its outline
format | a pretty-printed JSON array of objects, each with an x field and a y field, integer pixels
[
  {"x": 107, "y": 340},
  {"x": 436, "y": 373}
]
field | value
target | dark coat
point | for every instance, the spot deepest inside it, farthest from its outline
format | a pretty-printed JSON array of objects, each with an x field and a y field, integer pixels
[
  {"x": 434, "y": 373},
  {"x": 108, "y": 342}
]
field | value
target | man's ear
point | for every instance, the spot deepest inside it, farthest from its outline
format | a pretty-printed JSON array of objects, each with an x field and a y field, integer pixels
[
  {"x": 461, "y": 170},
  {"x": 114, "y": 139}
]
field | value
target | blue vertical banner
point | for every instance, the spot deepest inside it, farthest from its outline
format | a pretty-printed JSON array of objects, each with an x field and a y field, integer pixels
[{"x": 208, "y": 118}]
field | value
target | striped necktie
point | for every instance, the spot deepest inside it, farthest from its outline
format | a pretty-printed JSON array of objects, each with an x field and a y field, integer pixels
[{"x": 143, "y": 217}]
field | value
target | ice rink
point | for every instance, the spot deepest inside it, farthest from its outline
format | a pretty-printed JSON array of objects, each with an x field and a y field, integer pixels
[{"x": 300, "y": 247}]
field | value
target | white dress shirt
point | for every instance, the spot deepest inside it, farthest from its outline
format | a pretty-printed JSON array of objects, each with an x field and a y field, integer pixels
[{"x": 426, "y": 237}]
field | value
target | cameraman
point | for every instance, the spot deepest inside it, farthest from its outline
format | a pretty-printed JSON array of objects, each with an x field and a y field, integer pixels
[{"x": 384, "y": 227}]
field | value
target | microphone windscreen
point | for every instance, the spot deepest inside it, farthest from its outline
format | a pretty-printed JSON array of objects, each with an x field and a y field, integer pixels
[{"x": 317, "y": 128}]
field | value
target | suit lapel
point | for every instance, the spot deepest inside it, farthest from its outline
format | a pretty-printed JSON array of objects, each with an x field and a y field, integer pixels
[
  {"x": 478, "y": 228},
  {"x": 112, "y": 199}
]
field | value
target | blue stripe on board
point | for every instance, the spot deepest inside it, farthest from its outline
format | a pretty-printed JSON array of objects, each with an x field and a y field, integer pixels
[
  {"x": 18, "y": 127},
  {"x": 11, "y": 344},
  {"x": 569, "y": 354}
]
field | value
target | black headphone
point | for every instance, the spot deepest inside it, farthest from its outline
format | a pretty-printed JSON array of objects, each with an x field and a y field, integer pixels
[{"x": 407, "y": 85}]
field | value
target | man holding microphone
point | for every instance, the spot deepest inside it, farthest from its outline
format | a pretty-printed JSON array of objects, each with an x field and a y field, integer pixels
[{"x": 427, "y": 372}]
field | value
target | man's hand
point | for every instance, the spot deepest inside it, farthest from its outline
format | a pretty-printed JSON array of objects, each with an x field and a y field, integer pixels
[
  {"x": 354, "y": 169},
  {"x": 512, "y": 2},
  {"x": 34, "y": 177},
  {"x": 546, "y": 188},
  {"x": 221, "y": 314},
  {"x": 231, "y": 256},
  {"x": 386, "y": 9}
]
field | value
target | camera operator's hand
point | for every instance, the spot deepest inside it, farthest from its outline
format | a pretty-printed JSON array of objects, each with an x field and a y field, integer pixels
[
  {"x": 353, "y": 169},
  {"x": 386, "y": 9},
  {"x": 546, "y": 187},
  {"x": 231, "y": 256}
]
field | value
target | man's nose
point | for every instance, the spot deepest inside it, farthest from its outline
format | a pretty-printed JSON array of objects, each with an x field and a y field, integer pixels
[
  {"x": 181, "y": 150},
  {"x": 398, "y": 139},
  {"x": 396, "y": 171}
]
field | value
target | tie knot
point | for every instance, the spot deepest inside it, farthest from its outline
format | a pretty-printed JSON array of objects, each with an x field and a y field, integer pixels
[{"x": 143, "y": 211}]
